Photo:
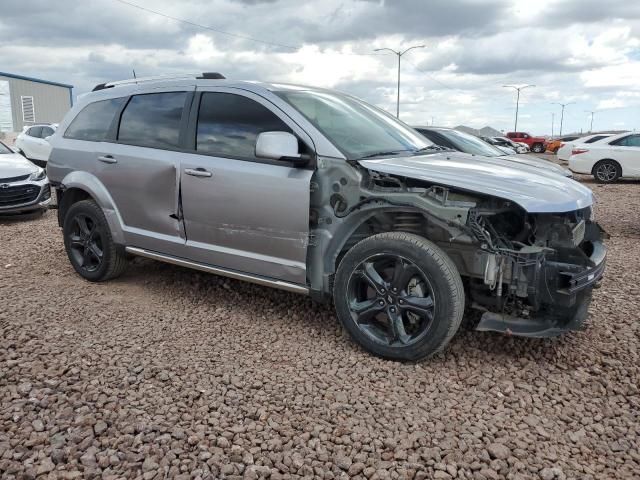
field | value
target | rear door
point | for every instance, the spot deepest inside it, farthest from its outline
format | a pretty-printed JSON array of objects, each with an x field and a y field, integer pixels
[
  {"x": 627, "y": 153},
  {"x": 241, "y": 212}
]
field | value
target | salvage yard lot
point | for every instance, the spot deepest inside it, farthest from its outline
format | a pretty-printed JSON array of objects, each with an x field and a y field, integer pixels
[{"x": 167, "y": 371}]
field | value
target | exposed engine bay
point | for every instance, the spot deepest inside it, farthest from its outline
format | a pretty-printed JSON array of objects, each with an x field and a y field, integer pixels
[{"x": 531, "y": 274}]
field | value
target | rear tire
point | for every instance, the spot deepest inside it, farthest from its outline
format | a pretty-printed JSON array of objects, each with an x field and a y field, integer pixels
[
  {"x": 399, "y": 296},
  {"x": 538, "y": 148},
  {"x": 89, "y": 244},
  {"x": 607, "y": 171}
]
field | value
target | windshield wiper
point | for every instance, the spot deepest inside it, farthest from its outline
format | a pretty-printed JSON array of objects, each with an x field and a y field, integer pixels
[
  {"x": 381, "y": 154},
  {"x": 435, "y": 148}
]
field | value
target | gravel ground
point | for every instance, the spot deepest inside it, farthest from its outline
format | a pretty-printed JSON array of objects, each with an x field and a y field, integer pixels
[{"x": 168, "y": 373}]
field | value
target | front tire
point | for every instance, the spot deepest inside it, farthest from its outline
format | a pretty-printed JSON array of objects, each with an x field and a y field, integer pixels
[
  {"x": 399, "y": 296},
  {"x": 607, "y": 171},
  {"x": 538, "y": 148},
  {"x": 89, "y": 244}
]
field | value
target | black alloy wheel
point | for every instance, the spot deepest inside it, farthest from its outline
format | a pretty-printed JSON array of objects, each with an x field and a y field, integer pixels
[
  {"x": 86, "y": 242},
  {"x": 89, "y": 243},
  {"x": 391, "y": 300},
  {"x": 399, "y": 296}
]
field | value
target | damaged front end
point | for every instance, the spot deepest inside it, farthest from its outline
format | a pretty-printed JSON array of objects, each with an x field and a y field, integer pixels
[{"x": 539, "y": 269}]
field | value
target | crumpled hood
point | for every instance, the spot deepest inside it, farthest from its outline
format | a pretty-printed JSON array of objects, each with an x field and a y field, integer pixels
[
  {"x": 14, "y": 165},
  {"x": 535, "y": 189},
  {"x": 538, "y": 163}
]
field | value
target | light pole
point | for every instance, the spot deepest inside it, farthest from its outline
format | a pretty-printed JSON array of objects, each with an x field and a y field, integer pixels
[
  {"x": 399, "y": 54},
  {"x": 515, "y": 128},
  {"x": 592, "y": 113},
  {"x": 562, "y": 114},
  {"x": 553, "y": 118}
]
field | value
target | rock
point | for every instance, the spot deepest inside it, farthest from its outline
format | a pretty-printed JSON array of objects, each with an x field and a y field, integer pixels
[
  {"x": 499, "y": 451},
  {"x": 343, "y": 462},
  {"x": 100, "y": 427},
  {"x": 37, "y": 424},
  {"x": 439, "y": 474},
  {"x": 45, "y": 466},
  {"x": 149, "y": 464},
  {"x": 356, "y": 468}
]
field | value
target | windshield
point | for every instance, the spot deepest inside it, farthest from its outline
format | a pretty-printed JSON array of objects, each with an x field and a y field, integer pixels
[
  {"x": 356, "y": 128},
  {"x": 4, "y": 149},
  {"x": 468, "y": 143}
]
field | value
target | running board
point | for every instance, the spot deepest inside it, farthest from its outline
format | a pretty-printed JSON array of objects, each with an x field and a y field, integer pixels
[{"x": 290, "y": 287}]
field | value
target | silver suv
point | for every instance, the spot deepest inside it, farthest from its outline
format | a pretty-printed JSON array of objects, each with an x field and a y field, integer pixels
[{"x": 316, "y": 192}]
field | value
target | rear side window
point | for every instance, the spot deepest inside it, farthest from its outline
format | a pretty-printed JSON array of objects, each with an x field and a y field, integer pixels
[
  {"x": 153, "y": 120},
  {"x": 94, "y": 121},
  {"x": 229, "y": 124},
  {"x": 35, "y": 132},
  {"x": 596, "y": 138},
  {"x": 47, "y": 132}
]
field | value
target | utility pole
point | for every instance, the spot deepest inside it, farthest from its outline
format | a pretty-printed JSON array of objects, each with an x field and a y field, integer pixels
[
  {"x": 399, "y": 54},
  {"x": 553, "y": 117},
  {"x": 592, "y": 113},
  {"x": 515, "y": 128},
  {"x": 562, "y": 114}
]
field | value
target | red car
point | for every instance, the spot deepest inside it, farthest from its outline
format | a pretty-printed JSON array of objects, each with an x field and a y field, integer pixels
[{"x": 536, "y": 144}]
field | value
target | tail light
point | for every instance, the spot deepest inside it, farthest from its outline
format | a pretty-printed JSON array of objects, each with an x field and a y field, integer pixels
[{"x": 578, "y": 151}]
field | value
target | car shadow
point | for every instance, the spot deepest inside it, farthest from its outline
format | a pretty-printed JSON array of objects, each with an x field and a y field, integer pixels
[{"x": 22, "y": 217}]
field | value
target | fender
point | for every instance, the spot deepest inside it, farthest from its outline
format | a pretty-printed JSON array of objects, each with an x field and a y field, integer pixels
[{"x": 94, "y": 187}]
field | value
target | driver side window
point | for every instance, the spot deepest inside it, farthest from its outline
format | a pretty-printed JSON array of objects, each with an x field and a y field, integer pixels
[{"x": 229, "y": 124}]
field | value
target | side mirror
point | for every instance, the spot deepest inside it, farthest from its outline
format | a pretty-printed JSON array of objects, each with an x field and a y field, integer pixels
[{"x": 279, "y": 146}]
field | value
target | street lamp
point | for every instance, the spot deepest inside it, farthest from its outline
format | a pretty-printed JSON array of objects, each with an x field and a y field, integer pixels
[
  {"x": 515, "y": 128},
  {"x": 399, "y": 54},
  {"x": 592, "y": 113},
  {"x": 562, "y": 114}
]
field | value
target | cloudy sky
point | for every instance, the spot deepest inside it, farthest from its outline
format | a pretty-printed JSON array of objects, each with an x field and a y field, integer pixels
[{"x": 582, "y": 51}]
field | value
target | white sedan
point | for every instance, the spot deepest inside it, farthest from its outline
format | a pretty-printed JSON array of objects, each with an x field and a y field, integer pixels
[
  {"x": 608, "y": 160},
  {"x": 33, "y": 143},
  {"x": 565, "y": 150}
]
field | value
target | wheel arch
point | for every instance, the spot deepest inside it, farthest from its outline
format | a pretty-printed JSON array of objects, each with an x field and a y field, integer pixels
[
  {"x": 77, "y": 186},
  {"x": 332, "y": 244}
]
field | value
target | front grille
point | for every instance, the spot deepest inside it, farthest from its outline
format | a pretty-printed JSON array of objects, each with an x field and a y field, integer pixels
[
  {"x": 18, "y": 194},
  {"x": 14, "y": 179}
]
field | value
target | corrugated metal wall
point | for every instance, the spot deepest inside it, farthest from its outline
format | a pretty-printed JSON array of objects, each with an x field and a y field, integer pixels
[{"x": 51, "y": 102}]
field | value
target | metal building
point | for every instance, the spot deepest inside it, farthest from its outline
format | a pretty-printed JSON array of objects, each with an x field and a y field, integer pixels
[{"x": 25, "y": 101}]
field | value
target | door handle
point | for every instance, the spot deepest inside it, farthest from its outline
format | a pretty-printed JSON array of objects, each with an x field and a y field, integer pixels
[
  {"x": 107, "y": 159},
  {"x": 197, "y": 172}
]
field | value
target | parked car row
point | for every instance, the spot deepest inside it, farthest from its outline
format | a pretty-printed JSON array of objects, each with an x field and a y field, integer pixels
[{"x": 464, "y": 142}]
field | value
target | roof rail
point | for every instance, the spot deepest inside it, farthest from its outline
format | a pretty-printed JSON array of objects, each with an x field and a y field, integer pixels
[{"x": 204, "y": 75}]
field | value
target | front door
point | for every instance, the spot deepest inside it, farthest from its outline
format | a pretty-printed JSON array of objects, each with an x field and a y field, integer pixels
[
  {"x": 241, "y": 212},
  {"x": 627, "y": 152}
]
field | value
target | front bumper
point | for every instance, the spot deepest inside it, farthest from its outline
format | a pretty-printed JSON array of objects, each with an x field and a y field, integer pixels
[
  {"x": 559, "y": 293},
  {"x": 39, "y": 200}
]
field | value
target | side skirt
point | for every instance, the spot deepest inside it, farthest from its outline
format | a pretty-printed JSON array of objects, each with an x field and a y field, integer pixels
[{"x": 290, "y": 287}]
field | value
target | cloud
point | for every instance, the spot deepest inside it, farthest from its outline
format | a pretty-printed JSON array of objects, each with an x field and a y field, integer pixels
[{"x": 573, "y": 50}]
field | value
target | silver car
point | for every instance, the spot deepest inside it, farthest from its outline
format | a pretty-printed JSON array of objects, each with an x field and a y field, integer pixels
[
  {"x": 24, "y": 187},
  {"x": 316, "y": 192}
]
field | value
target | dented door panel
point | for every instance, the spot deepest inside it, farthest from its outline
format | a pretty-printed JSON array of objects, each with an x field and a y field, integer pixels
[{"x": 247, "y": 216}]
